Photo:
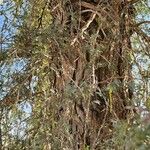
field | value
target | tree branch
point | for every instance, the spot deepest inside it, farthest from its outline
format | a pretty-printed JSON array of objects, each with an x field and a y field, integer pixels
[{"x": 143, "y": 22}]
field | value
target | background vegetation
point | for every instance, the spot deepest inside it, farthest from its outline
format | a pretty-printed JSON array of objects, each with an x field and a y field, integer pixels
[{"x": 74, "y": 74}]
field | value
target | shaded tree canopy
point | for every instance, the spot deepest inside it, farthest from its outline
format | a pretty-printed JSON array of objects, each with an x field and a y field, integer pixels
[{"x": 74, "y": 74}]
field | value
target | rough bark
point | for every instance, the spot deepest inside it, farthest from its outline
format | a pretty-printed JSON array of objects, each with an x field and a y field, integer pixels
[{"x": 92, "y": 116}]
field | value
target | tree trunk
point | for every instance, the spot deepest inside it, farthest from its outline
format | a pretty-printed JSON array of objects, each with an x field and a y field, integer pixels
[{"x": 95, "y": 60}]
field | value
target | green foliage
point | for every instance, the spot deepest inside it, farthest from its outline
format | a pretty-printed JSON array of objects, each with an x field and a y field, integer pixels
[{"x": 38, "y": 64}]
